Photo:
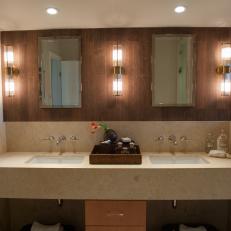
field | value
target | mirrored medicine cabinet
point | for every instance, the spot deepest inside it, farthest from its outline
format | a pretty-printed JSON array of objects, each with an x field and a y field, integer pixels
[
  {"x": 60, "y": 72},
  {"x": 172, "y": 70}
]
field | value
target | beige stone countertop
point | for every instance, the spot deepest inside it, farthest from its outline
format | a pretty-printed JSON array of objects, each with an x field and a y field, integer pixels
[
  {"x": 20, "y": 179},
  {"x": 21, "y": 160}
]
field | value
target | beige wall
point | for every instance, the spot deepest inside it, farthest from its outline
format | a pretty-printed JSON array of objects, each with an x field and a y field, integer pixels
[
  {"x": 27, "y": 136},
  {"x": 230, "y": 137},
  {"x": 2, "y": 137}
]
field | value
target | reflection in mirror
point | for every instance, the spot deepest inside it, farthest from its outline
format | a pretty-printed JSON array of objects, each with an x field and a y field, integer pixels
[
  {"x": 172, "y": 70},
  {"x": 60, "y": 72}
]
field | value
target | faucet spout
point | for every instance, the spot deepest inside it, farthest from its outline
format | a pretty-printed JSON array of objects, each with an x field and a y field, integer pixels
[
  {"x": 172, "y": 139},
  {"x": 60, "y": 139}
]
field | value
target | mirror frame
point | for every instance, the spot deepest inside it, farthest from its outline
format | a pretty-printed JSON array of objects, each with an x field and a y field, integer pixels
[
  {"x": 41, "y": 105},
  {"x": 193, "y": 48}
]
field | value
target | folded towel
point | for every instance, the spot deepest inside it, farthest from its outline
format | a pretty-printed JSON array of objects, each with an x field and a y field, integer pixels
[
  {"x": 187, "y": 228},
  {"x": 39, "y": 227},
  {"x": 228, "y": 156},
  {"x": 217, "y": 153}
]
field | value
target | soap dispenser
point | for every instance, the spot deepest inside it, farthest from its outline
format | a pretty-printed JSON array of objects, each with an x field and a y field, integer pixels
[
  {"x": 210, "y": 142},
  {"x": 222, "y": 141}
]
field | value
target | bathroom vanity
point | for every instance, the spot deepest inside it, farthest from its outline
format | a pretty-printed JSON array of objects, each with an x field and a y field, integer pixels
[
  {"x": 114, "y": 197},
  {"x": 25, "y": 175}
]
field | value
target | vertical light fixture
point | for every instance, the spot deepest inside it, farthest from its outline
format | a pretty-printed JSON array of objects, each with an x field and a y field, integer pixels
[
  {"x": 225, "y": 86},
  {"x": 118, "y": 70},
  {"x": 226, "y": 51},
  {"x": 225, "y": 69},
  {"x": 10, "y": 70}
]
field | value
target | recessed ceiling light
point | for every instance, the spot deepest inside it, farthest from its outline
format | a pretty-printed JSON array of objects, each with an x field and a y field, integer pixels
[
  {"x": 52, "y": 11},
  {"x": 180, "y": 9}
]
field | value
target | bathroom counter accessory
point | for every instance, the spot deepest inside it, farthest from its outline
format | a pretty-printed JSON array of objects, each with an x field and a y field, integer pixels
[
  {"x": 105, "y": 155},
  {"x": 115, "y": 159}
]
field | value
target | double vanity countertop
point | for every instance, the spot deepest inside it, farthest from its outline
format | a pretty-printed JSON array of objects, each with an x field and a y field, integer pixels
[
  {"x": 20, "y": 177},
  {"x": 23, "y": 160}
]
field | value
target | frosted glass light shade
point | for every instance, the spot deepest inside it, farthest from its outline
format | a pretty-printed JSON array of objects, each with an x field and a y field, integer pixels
[
  {"x": 117, "y": 86},
  {"x": 9, "y": 87},
  {"x": 117, "y": 55}
]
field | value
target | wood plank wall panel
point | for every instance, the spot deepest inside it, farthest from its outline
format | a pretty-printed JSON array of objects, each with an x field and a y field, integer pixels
[{"x": 98, "y": 103}]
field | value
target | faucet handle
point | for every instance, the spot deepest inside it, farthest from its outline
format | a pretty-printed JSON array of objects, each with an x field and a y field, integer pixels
[
  {"x": 49, "y": 138},
  {"x": 62, "y": 137},
  {"x": 159, "y": 139},
  {"x": 74, "y": 138},
  {"x": 184, "y": 139},
  {"x": 172, "y": 139}
]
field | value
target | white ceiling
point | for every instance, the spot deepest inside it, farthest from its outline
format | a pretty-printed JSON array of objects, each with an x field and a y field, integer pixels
[{"x": 31, "y": 14}]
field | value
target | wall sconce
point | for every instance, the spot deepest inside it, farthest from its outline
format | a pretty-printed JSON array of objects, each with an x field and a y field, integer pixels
[
  {"x": 225, "y": 69},
  {"x": 9, "y": 87},
  {"x": 10, "y": 70},
  {"x": 118, "y": 70},
  {"x": 225, "y": 86}
]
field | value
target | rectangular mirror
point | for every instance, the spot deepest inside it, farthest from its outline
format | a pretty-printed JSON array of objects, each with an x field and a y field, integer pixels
[
  {"x": 60, "y": 72},
  {"x": 172, "y": 70}
]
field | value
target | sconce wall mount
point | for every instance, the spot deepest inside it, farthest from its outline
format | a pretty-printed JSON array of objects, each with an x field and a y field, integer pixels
[
  {"x": 225, "y": 69},
  {"x": 118, "y": 70},
  {"x": 10, "y": 71}
]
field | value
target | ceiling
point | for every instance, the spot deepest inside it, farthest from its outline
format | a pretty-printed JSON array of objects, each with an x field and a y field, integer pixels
[{"x": 31, "y": 14}]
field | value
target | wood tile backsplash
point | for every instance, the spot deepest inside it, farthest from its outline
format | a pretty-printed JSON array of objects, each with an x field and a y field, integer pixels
[{"x": 98, "y": 102}]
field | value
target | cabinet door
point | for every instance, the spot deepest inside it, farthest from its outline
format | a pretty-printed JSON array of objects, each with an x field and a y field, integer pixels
[
  {"x": 115, "y": 228},
  {"x": 111, "y": 213}
]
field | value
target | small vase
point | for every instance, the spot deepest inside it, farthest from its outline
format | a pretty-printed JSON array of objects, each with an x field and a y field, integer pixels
[{"x": 111, "y": 135}]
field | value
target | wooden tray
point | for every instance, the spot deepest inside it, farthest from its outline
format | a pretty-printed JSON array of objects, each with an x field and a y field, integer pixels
[{"x": 114, "y": 158}]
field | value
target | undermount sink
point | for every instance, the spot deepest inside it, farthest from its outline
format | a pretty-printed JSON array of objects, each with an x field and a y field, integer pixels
[
  {"x": 177, "y": 159},
  {"x": 56, "y": 159}
]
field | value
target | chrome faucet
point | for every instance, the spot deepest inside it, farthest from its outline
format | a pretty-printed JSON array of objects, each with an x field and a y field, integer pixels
[
  {"x": 60, "y": 139},
  {"x": 184, "y": 139},
  {"x": 74, "y": 138},
  {"x": 172, "y": 139},
  {"x": 49, "y": 138},
  {"x": 159, "y": 139}
]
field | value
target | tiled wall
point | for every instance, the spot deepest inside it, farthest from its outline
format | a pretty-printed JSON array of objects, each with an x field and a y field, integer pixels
[
  {"x": 2, "y": 137},
  {"x": 28, "y": 136}
]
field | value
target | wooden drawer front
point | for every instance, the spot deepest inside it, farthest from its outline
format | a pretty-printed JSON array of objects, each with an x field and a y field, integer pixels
[
  {"x": 110, "y": 213},
  {"x": 115, "y": 228}
]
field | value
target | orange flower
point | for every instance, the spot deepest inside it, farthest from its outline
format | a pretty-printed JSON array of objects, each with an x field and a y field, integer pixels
[{"x": 94, "y": 126}]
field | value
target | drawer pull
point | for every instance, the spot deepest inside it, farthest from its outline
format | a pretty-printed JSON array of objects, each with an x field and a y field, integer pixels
[{"x": 111, "y": 214}]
